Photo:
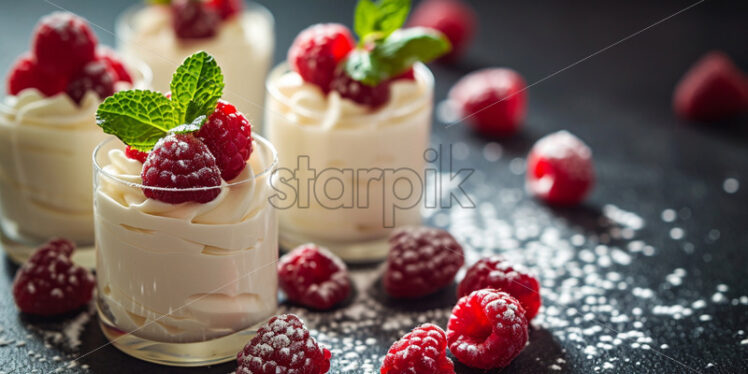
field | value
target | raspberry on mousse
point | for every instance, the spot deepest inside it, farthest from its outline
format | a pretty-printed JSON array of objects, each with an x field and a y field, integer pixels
[
  {"x": 318, "y": 50},
  {"x": 62, "y": 43},
  {"x": 283, "y": 345},
  {"x": 228, "y": 135}
]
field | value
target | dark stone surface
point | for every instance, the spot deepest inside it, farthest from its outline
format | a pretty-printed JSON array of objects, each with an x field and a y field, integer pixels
[{"x": 618, "y": 102}]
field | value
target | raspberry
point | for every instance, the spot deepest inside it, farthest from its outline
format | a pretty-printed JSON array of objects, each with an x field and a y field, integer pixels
[
  {"x": 194, "y": 19},
  {"x": 422, "y": 260},
  {"x": 96, "y": 76},
  {"x": 25, "y": 73},
  {"x": 134, "y": 154},
  {"x": 226, "y": 8},
  {"x": 114, "y": 61},
  {"x": 492, "y": 100},
  {"x": 62, "y": 43},
  {"x": 49, "y": 283},
  {"x": 421, "y": 351},
  {"x": 318, "y": 50},
  {"x": 495, "y": 272},
  {"x": 313, "y": 277},
  {"x": 371, "y": 96},
  {"x": 559, "y": 169},
  {"x": 455, "y": 19},
  {"x": 181, "y": 161},
  {"x": 228, "y": 135},
  {"x": 487, "y": 329},
  {"x": 713, "y": 89},
  {"x": 283, "y": 346}
]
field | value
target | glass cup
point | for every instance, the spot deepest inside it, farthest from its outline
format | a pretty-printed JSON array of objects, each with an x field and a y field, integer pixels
[
  {"x": 45, "y": 169},
  {"x": 184, "y": 284},
  {"x": 243, "y": 48},
  {"x": 349, "y": 175}
]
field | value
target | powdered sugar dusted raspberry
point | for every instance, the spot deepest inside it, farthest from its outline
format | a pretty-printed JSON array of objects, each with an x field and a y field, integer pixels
[
  {"x": 559, "y": 169},
  {"x": 25, "y": 73},
  {"x": 194, "y": 19},
  {"x": 62, "y": 43},
  {"x": 421, "y": 261},
  {"x": 370, "y": 96},
  {"x": 421, "y": 351},
  {"x": 181, "y": 162},
  {"x": 314, "y": 277},
  {"x": 497, "y": 273},
  {"x": 49, "y": 283},
  {"x": 114, "y": 61},
  {"x": 97, "y": 76},
  {"x": 228, "y": 135},
  {"x": 487, "y": 329},
  {"x": 454, "y": 18},
  {"x": 283, "y": 346}
]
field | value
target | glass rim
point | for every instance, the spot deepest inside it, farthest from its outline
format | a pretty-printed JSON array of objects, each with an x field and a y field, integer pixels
[
  {"x": 420, "y": 69},
  {"x": 98, "y": 169},
  {"x": 123, "y": 24}
]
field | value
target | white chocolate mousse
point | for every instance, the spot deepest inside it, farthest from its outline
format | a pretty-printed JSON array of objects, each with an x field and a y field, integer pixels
[
  {"x": 243, "y": 47},
  {"x": 337, "y": 133},
  {"x": 221, "y": 255}
]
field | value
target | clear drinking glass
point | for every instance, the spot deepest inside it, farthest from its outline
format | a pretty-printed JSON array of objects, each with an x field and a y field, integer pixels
[
  {"x": 45, "y": 169},
  {"x": 243, "y": 48},
  {"x": 184, "y": 284},
  {"x": 361, "y": 163}
]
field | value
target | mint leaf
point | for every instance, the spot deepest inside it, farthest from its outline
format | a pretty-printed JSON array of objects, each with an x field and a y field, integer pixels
[
  {"x": 380, "y": 18},
  {"x": 196, "y": 87},
  {"x": 189, "y": 127},
  {"x": 396, "y": 54},
  {"x": 138, "y": 117}
]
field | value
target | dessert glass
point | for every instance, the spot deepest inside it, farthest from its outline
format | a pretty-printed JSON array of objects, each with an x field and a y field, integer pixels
[
  {"x": 331, "y": 133},
  {"x": 243, "y": 48},
  {"x": 45, "y": 169},
  {"x": 184, "y": 284}
]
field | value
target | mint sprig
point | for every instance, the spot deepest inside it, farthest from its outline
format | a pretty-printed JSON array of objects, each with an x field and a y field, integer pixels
[
  {"x": 141, "y": 117},
  {"x": 379, "y": 19},
  {"x": 396, "y": 54}
]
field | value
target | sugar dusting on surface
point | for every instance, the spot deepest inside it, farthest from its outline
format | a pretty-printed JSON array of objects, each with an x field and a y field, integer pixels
[{"x": 592, "y": 306}]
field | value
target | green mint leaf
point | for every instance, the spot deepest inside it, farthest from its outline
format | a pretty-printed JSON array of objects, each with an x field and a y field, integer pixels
[
  {"x": 139, "y": 118},
  {"x": 196, "y": 87},
  {"x": 396, "y": 54},
  {"x": 379, "y": 18},
  {"x": 189, "y": 127}
]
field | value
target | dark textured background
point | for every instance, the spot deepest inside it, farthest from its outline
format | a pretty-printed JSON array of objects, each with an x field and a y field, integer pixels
[{"x": 618, "y": 102}]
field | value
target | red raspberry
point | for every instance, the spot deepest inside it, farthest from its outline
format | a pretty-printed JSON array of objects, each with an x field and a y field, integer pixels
[
  {"x": 226, "y": 8},
  {"x": 25, "y": 73},
  {"x": 228, "y": 135},
  {"x": 194, "y": 19},
  {"x": 283, "y": 346},
  {"x": 495, "y": 272},
  {"x": 313, "y": 277},
  {"x": 421, "y": 351},
  {"x": 713, "y": 89},
  {"x": 318, "y": 50},
  {"x": 63, "y": 43},
  {"x": 409, "y": 75},
  {"x": 181, "y": 162},
  {"x": 559, "y": 169},
  {"x": 49, "y": 283},
  {"x": 492, "y": 100},
  {"x": 455, "y": 19},
  {"x": 371, "y": 96},
  {"x": 114, "y": 61},
  {"x": 487, "y": 329},
  {"x": 96, "y": 76},
  {"x": 134, "y": 154},
  {"x": 422, "y": 260}
]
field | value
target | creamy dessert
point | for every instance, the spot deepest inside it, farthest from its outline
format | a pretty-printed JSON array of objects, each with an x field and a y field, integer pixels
[
  {"x": 186, "y": 239},
  {"x": 241, "y": 40},
  {"x": 48, "y": 132},
  {"x": 355, "y": 122}
]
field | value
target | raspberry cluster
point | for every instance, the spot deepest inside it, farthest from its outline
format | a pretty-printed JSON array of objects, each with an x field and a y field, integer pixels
[
  {"x": 197, "y": 19},
  {"x": 64, "y": 57}
]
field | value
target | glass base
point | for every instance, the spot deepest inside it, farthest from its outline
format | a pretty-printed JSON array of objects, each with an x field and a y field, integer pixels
[
  {"x": 358, "y": 252},
  {"x": 19, "y": 252},
  {"x": 211, "y": 352}
]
